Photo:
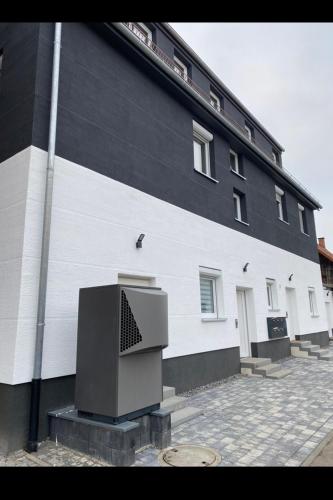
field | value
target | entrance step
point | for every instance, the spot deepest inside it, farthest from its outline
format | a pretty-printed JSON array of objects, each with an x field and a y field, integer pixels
[
  {"x": 263, "y": 367},
  {"x": 174, "y": 403},
  {"x": 184, "y": 415},
  {"x": 310, "y": 348},
  {"x": 298, "y": 343},
  {"x": 310, "y": 351},
  {"x": 267, "y": 369},
  {"x": 254, "y": 362},
  {"x": 168, "y": 392},
  {"x": 279, "y": 374}
]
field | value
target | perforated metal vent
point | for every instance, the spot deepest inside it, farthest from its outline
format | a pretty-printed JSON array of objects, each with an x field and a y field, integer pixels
[{"x": 129, "y": 333}]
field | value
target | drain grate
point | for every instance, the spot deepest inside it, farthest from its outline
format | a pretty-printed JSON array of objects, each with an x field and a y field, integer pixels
[{"x": 188, "y": 455}]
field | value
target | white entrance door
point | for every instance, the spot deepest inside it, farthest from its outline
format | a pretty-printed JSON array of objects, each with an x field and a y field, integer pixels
[
  {"x": 243, "y": 327},
  {"x": 292, "y": 316}
]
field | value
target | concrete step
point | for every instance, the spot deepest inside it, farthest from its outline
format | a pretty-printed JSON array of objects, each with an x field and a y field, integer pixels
[
  {"x": 174, "y": 403},
  {"x": 254, "y": 362},
  {"x": 279, "y": 374},
  {"x": 264, "y": 370},
  {"x": 298, "y": 343},
  {"x": 310, "y": 348},
  {"x": 168, "y": 392},
  {"x": 295, "y": 351},
  {"x": 185, "y": 414},
  {"x": 320, "y": 352},
  {"x": 327, "y": 357}
]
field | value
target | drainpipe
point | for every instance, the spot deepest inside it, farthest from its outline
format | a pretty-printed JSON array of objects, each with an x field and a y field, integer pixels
[{"x": 32, "y": 444}]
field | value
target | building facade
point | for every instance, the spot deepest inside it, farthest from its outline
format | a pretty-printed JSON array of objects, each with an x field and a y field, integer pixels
[
  {"x": 326, "y": 267},
  {"x": 149, "y": 141}
]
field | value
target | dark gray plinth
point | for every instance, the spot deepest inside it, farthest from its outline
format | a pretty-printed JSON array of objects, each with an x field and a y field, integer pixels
[
  {"x": 321, "y": 338},
  {"x": 115, "y": 444}
]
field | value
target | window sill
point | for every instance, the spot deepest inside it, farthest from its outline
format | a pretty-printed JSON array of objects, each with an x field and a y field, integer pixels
[
  {"x": 207, "y": 176},
  {"x": 238, "y": 175},
  {"x": 315, "y": 315},
  {"x": 242, "y": 222},
  {"x": 213, "y": 320},
  {"x": 305, "y": 234},
  {"x": 282, "y": 220},
  {"x": 274, "y": 310}
]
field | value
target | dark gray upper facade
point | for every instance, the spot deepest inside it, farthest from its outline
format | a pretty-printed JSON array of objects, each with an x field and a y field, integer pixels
[{"x": 122, "y": 117}]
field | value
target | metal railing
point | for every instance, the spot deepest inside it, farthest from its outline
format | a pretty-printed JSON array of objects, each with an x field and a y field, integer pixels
[{"x": 171, "y": 64}]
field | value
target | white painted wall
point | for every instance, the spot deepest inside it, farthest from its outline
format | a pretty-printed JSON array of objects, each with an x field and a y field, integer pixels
[
  {"x": 328, "y": 299},
  {"x": 95, "y": 224}
]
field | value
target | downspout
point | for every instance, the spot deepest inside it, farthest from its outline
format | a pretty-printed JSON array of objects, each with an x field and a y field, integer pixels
[{"x": 37, "y": 372}]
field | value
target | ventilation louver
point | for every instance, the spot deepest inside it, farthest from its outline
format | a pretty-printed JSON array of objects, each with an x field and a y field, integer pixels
[{"x": 130, "y": 334}]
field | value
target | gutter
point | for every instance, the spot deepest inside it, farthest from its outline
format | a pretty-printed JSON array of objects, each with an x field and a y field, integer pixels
[
  {"x": 173, "y": 75},
  {"x": 32, "y": 444}
]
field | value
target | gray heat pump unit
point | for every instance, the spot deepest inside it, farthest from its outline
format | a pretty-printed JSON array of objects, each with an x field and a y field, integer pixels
[{"x": 122, "y": 330}]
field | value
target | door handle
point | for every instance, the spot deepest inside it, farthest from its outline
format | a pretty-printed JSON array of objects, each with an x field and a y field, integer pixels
[{"x": 236, "y": 323}]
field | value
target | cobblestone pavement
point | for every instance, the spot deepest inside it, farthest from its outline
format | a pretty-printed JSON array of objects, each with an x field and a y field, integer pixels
[{"x": 250, "y": 421}]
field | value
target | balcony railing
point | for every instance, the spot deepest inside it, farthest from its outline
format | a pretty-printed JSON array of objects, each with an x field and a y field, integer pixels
[{"x": 144, "y": 39}]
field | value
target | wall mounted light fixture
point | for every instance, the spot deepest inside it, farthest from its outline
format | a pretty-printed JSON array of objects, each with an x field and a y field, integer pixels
[
  {"x": 139, "y": 241},
  {"x": 245, "y": 267},
  {"x": 291, "y": 277}
]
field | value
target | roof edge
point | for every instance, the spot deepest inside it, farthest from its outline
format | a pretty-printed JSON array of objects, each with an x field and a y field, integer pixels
[{"x": 213, "y": 75}]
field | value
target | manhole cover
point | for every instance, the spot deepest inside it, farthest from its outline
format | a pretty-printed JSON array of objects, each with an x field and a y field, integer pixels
[{"x": 188, "y": 455}]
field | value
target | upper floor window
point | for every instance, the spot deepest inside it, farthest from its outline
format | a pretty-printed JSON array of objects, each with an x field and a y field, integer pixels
[
  {"x": 302, "y": 219},
  {"x": 236, "y": 164},
  {"x": 239, "y": 206},
  {"x": 249, "y": 132},
  {"x": 1, "y": 59},
  {"x": 274, "y": 157},
  {"x": 281, "y": 205},
  {"x": 201, "y": 150},
  {"x": 215, "y": 101},
  {"x": 142, "y": 32},
  {"x": 180, "y": 67}
]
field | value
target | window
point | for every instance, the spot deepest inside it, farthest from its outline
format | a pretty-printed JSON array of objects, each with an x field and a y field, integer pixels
[
  {"x": 271, "y": 294},
  {"x": 249, "y": 132},
  {"x": 235, "y": 163},
  {"x": 142, "y": 32},
  {"x": 215, "y": 101},
  {"x": 1, "y": 60},
  {"x": 201, "y": 140},
  {"x": 239, "y": 206},
  {"x": 281, "y": 204},
  {"x": 302, "y": 219},
  {"x": 211, "y": 294},
  {"x": 313, "y": 302},
  {"x": 274, "y": 157},
  {"x": 180, "y": 67},
  {"x": 208, "y": 296}
]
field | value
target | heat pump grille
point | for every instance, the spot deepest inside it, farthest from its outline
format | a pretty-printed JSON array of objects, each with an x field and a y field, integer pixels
[{"x": 129, "y": 334}]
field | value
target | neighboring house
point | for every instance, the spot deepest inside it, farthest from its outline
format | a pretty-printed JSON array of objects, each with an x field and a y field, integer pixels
[
  {"x": 326, "y": 266},
  {"x": 150, "y": 141}
]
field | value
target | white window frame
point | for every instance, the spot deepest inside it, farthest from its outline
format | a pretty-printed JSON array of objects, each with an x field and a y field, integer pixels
[
  {"x": 139, "y": 33},
  {"x": 238, "y": 207},
  {"x": 271, "y": 292},
  {"x": 301, "y": 211},
  {"x": 212, "y": 279},
  {"x": 274, "y": 157},
  {"x": 231, "y": 152},
  {"x": 313, "y": 301},
  {"x": 216, "y": 100},
  {"x": 178, "y": 63},
  {"x": 248, "y": 132},
  {"x": 216, "y": 276},
  {"x": 278, "y": 197},
  {"x": 201, "y": 135}
]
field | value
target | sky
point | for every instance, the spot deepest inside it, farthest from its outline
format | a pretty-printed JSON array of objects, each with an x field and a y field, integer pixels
[{"x": 283, "y": 73}]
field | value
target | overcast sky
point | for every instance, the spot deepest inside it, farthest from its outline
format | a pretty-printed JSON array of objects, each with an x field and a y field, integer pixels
[{"x": 283, "y": 73}]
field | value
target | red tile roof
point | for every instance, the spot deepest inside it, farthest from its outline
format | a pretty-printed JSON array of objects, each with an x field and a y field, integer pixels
[{"x": 325, "y": 253}]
